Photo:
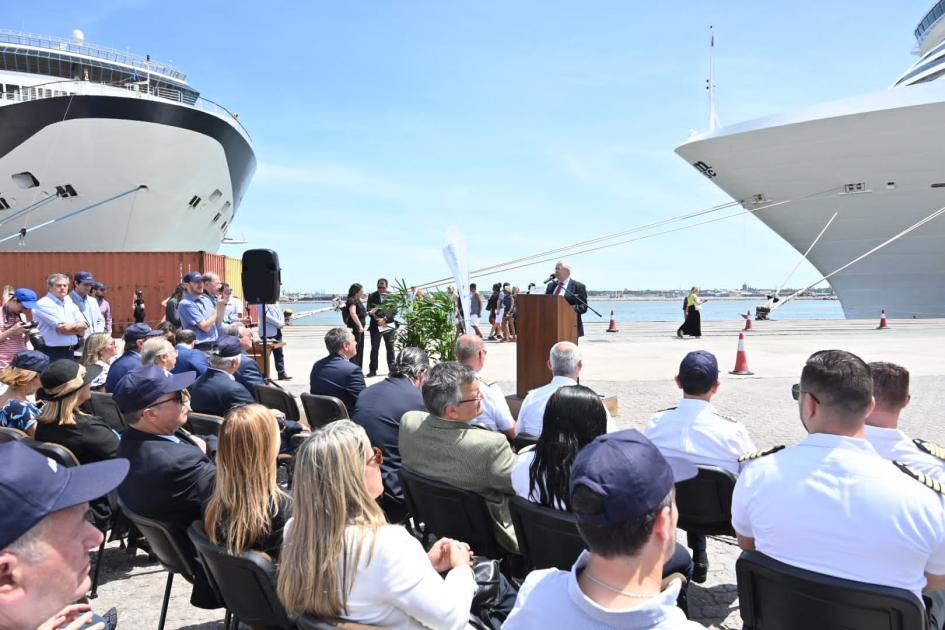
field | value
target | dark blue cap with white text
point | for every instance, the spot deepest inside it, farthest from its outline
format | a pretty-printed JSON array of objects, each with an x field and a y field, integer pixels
[
  {"x": 143, "y": 385},
  {"x": 84, "y": 277},
  {"x": 193, "y": 276},
  {"x": 228, "y": 347},
  {"x": 698, "y": 370}
]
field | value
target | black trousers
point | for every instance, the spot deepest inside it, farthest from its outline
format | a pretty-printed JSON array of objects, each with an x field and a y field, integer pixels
[
  {"x": 277, "y": 355},
  {"x": 376, "y": 337},
  {"x": 358, "y": 359},
  {"x": 58, "y": 352}
]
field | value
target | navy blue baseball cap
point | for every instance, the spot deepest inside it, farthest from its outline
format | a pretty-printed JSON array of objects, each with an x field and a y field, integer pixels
[
  {"x": 85, "y": 277},
  {"x": 139, "y": 331},
  {"x": 26, "y": 297},
  {"x": 145, "y": 384},
  {"x": 30, "y": 360},
  {"x": 629, "y": 475},
  {"x": 99, "y": 286},
  {"x": 33, "y": 486},
  {"x": 228, "y": 347},
  {"x": 698, "y": 370},
  {"x": 193, "y": 276}
]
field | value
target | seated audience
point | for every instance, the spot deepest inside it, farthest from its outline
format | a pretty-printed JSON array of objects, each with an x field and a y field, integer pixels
[
  {"x": 342, "y": 560},
  {"x": 891, "y": 393},
  {"x": 378, "y": 411},
  {"x": 248, "y": 510},
  {"x": 496, "y": 415},
  {"x": 160, "y": 352},
  {"x": 831, "y": 504},
  {"x": 694, "y": 430},
  {"x": 45, "y": 538},
  {"x": 443, "y": 446},
  {"x": 622, "y": 495},
  {"x": 565, "y": 363},
  {"x": 22, "y": 380},
  {"x": 189, "y": 359},
  {"x": 336, "y": 375},
  {"x": 216, "y": 392},
  {"x": 99, "y": 349},
  {"x": 135, "y": 336},
  {"x": 248, "y": 374}
]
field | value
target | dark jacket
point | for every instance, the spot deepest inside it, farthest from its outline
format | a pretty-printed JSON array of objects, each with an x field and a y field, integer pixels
[
  {"x": 169, "y": 481},
  {"x": 216, "y": 393},
  {"x": 90, "y": 439},
  {"x": 190, "y": 360},
  {"x": 374, "y": 301},
  {"x": 122, "y": 365},
  {"x": 248, "y": 374},
  {"x": 378, "y": 410},
  {"x": 337, "y": 376},
  {"x": 575, "y": 294}
]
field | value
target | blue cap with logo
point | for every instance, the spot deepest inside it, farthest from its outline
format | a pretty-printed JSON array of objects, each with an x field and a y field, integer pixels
[
  {"x": 84, "y": 277},
  {"x": 26, "y": 297},
  {"x": 139, "y": 331},
  {"x": 143, "y": 385},
  {"x": 99, "y": 286},
  {"x": 193, "y": 276},
  {"x": 33, "y": 486},
  {"x": 227, "y": 347},
  {"x": 30, "y": 360},
  {"x": 629, "y": 475},
  {"x": 698, "y": 371}
]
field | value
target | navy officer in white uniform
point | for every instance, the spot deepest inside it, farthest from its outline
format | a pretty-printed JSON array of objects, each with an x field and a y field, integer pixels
[
  {"x": 831, "y": 504},
  {"x": 891, "y": 393},
  {"x": 496, "y": 415},
  {"x": 694, "y": 430}
]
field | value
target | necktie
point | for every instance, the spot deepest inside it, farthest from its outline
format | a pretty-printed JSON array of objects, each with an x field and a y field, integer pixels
[{"x": 559, "y": 287}]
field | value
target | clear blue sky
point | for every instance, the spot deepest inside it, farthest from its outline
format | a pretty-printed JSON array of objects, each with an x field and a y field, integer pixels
[{"x": 530, "y": 125}]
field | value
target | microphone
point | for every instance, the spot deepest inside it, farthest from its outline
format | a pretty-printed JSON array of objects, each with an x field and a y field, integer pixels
[{"x": 550, "y": 277}]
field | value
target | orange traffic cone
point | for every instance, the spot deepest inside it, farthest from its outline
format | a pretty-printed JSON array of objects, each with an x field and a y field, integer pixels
[
  {"x": 741, "y": 359},
  {"x": 613, "y": 323},
  {"x": 882, "y": 321},
  {"x": 747, "y": 317}
]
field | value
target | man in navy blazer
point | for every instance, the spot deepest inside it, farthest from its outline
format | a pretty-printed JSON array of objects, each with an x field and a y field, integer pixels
[
  {"x": 216, "y": 392},
  {"x": 189, "y": 359},
  {"x": 135, "y": 336},
  {"x": 571, "y": 290},
  {"x": 336, "y": 375},
  {"x": 248, "y": 374}
]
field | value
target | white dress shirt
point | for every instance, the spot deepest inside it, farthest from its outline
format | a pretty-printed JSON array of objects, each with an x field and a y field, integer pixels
[
  {"x": 275, "y": 319},
  {"x": 50, "y": 311},
  {"x": 531, "y": 416},
  {"x": 496, "y": 415},
  {"x": 894, "y": 445}
]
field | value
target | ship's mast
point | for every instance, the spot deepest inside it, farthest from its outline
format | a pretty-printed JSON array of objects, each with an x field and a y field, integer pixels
[{"x": 710, "y": 85}]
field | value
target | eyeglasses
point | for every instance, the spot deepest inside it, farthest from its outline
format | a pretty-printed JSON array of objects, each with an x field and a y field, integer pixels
[
  {"x": 377, "y": 457},
  {"x": 796, "y": 393},
  {"x": 476, "y": 399},
  {"x": 180, "y": 397}
]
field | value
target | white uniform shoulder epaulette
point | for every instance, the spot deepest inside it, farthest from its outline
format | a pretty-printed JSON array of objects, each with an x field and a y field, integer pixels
[
  {"x": 765, "y": 451},
  {"x": 931, "y": 448},
  {"x": 724, "y": 417},
  {"x": 920, "y": 477}
]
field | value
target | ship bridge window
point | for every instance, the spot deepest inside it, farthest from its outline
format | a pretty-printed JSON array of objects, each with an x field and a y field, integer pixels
[
  {"x": 194, "y": 201},
  {"x": 216, "y": 218},
  {"x": 66, "y": 191},
  {"x": 3, "y": 204},
  {"x": 25, "y": 180},
  {"x": 223, "y": 227},
  {"x": 859, "y": 187}
]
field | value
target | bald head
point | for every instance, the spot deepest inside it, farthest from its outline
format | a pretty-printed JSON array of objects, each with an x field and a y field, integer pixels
[
  {"x": 471, "y": 351},
  {"x": 565, "y": 360}
]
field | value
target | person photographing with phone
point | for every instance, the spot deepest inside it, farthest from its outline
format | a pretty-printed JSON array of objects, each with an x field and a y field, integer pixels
[
  {"x": 198, "y": 312},
  {"x": 14, "y": 328}
]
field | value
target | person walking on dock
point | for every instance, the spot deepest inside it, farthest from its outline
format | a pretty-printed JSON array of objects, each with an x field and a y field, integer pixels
[{"x": 691, "y": 307}]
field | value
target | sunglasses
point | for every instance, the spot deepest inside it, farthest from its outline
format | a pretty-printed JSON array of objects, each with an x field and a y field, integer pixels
[
  {"x": 796, "y": 393},
  {"x": 180, "y": 397},
  {"x": 377, "y": 457}
]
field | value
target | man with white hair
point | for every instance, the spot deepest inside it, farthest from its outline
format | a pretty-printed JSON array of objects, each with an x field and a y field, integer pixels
[
  {"x": 574, "y": 292},
  {"x": 495, "y": 416},
  {"x": 217, "y": 391},
  {"x": 61, "y": 324},
  {"x": 565, "y": 362},
  {"x": 160, "y": 352}
]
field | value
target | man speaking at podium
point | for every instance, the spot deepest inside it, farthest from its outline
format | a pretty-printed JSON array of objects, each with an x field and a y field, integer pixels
[{"x": 571, "y": 290}]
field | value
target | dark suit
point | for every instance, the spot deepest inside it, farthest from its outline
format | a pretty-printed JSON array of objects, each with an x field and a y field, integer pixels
[
  {"x": 216, "y": 392},
  {"x": 337, "y": 376},
  {"x": 122, "y": 365},
  {"x": 374, "y": 301},
  {"x": 378, "y": 410},
  {"x": 190, "y": 360},
  {"x": 248, "y": 374},
  {"x": 576, "y": 295}
]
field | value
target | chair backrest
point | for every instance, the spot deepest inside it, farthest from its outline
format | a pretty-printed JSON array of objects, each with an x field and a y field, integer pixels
[
  {"x": 546, "y": 537},
  {"x": 523, "y": 440},
  {"x": 308, "y": 622},
  {"x": 449, "y": 511},
  {"x": 168, "y": 544},
  {"x": 705, "y": 502},
  {"x": 56, "y": 452},
  {"x": 107, "y": 409},
  {"x": 247, "y": 582},
  {"x": 320, "y": 410},
  {"x": 279, "y": 399},
  {"x": 773, "y": 595},
  {"x": 204, "y": 423},
  {"x": 9, "y": 434}
]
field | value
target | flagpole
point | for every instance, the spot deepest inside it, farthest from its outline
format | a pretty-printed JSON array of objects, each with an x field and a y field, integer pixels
[{"x": 710, "y": 84}]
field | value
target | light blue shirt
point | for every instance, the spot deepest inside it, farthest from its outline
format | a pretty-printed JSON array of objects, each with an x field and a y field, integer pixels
[
  {"x": 275, "y": 319},
  {"x": 90, "y": 310},
  {"x": 192, "y": 310},
  {"x": 50, "y": 311}
]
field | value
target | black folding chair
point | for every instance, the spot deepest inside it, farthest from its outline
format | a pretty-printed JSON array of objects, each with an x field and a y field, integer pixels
[
  {"x": 107, "y": 409},
  {"x": 773, "y": 595},
  {"x": 451, "y": 512},
  {"x": 547, "y": 538},
  {"x": 204, "y": 423},
  {"x": 523, "y": 440},
  {"x": 320, "y": 410},
  {"x": 247, "y": 583},
  {"x": 705, "y": 502},
  {"x": 9, "y": 434},
  {"x": 56, "y": 452},
  {"x": 278, "y": 399}
]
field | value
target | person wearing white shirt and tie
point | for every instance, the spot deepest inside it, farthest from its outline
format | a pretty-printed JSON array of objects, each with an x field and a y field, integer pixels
[{"x": 61, "y": 324}]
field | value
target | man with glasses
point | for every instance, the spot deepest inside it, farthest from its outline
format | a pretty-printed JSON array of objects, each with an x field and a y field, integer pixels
[
  {"x": 496, "y": 415},
  {"x": 61, "y": 324},
  {"x": 442, "y": 445},
  {"x": 831, "y": 504},
  {"x": 198, "y": 312}
]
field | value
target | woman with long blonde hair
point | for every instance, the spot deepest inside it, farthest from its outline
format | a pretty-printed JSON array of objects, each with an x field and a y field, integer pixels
[
  {"x": 341, "y": 559},
  {"x": 248, "y": 510},
  {"x": 22, "y": 380},
  {"x": 99, "y": 350},
  {"x": 691, "y": 307}
]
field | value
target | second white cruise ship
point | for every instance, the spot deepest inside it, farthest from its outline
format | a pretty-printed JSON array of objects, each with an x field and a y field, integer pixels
[{"x": 877, "y": 162}]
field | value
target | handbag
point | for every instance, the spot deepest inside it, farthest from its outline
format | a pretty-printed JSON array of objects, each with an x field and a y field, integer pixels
[{"x": 494, "y": 596}]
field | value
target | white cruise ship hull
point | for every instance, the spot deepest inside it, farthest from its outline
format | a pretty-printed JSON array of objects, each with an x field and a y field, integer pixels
[
  {"x": 149, "y": 175},
  {"x": 892, "y": 143}
]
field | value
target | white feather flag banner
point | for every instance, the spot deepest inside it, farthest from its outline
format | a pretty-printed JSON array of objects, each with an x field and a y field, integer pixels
[{"x": 457, "y": 258}]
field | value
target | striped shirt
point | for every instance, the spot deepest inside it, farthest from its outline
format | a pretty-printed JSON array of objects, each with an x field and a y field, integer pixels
[{"x": 12, "y": 344}]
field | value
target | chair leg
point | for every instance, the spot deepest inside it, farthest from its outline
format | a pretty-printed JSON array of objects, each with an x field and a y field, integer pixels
[
  {"x": 98, "y": 567},
  {"x": 167, "y": 598},
  {"x": 226, "y": 620}
]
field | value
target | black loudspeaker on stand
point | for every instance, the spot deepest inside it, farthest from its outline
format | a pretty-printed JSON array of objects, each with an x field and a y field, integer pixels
[{"x": 262, "y": 284}]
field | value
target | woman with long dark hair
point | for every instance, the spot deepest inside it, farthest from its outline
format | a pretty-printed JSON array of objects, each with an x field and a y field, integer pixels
[
  {"x": 573, "y": 417},
  {"x": 353, "y": 316}
]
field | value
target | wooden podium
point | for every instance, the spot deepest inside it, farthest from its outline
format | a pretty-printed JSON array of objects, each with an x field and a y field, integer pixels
[
  {"x": 544, "y": 321},
  {"x": 257, "y": 353}
]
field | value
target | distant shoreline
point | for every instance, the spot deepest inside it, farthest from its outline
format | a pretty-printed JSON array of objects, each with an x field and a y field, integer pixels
[{"x": 632, "y": 298}]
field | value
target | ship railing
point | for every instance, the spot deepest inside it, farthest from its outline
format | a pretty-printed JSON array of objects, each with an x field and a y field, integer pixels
[
  {"x": 140, "y": 89},
  {"x": 90, "y": 50}
]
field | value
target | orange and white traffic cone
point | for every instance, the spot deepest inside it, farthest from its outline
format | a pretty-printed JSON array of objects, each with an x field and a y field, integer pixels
[
  {"x": 882, "y": 321},
  {"x": 613, "y": 323},
  {"x": 741, "y": 359},
  {"x": 747, "y": 317}
]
